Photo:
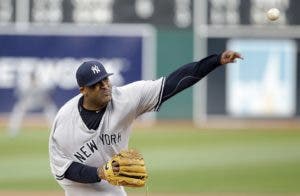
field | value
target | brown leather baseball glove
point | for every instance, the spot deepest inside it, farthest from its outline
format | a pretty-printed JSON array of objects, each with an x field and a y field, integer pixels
[{"x": 125, "y": 169}]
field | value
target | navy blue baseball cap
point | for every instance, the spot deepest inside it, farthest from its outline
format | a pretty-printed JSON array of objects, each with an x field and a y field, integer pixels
[{"x": 90, "y": 73}]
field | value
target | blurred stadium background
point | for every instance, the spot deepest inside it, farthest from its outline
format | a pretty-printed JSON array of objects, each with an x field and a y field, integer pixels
[{"x": 235, "y": 133}]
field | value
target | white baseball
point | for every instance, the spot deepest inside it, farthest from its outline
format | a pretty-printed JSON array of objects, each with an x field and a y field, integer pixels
[{"x": 273, "y": 14}]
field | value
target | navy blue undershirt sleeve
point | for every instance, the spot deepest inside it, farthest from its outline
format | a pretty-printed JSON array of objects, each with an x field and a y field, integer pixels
[
  {"x": 189, "y": 74},
  {"x": 82, "y": 173}
]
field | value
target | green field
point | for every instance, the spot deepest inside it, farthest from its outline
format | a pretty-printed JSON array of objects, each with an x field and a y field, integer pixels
[{"x": 179, "y": 159}]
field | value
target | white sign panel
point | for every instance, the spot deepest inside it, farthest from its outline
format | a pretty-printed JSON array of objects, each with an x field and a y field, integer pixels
[{"x": 264, "y": 83}]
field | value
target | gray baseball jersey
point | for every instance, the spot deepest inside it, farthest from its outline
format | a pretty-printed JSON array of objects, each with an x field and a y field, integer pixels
[{"x": 71, "y": 141}]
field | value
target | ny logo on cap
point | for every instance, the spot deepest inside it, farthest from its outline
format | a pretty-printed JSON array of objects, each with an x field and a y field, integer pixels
[{"x": 95, "y": 69}]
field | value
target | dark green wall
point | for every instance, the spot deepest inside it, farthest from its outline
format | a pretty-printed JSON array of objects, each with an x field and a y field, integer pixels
[{"x": 175, "y": 48}]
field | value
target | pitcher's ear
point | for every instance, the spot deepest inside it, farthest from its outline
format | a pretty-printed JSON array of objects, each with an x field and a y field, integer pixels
[{"x": 82, "y": 90}]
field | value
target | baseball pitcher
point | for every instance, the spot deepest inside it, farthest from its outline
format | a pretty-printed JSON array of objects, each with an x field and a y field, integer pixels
[{"x": 88, "y": 145}]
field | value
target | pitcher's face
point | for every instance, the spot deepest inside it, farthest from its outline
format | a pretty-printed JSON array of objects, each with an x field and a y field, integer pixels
[{"x": 99, "y": 94}]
